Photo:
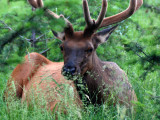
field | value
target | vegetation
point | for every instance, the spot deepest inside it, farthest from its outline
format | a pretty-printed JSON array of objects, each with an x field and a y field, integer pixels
[{"x": 134, "y": 46}]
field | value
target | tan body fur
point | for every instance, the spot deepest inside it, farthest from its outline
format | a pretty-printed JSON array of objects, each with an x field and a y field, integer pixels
[{"x": 41, "y": 78}]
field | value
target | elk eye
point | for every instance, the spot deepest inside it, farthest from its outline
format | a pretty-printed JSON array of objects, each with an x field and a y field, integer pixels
[
  {"x": 89, "y": 50},
  {"x": 61, "y": 47}
]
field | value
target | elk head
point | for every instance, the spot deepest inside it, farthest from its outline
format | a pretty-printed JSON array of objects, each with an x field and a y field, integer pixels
[{"x": 79, "y": 48}]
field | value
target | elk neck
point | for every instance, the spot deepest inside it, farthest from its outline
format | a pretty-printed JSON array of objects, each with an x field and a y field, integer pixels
[
  {"x": 91, "y": 80},
  {"x": 95, "y": 67}
]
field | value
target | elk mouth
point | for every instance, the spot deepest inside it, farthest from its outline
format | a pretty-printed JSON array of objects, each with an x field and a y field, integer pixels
[{"x": 70, "y": 73}]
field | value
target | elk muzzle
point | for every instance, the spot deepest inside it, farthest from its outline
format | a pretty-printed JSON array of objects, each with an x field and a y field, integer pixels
[{"x": 70, "y": 70}]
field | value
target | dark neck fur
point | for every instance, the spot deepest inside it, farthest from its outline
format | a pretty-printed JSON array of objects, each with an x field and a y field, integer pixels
[{"x": 90, "y": 82}]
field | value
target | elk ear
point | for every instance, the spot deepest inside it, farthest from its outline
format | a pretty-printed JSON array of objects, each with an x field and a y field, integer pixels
[
  {"x": 59, "y": 35},
  {"x": 103, "y": 35}
]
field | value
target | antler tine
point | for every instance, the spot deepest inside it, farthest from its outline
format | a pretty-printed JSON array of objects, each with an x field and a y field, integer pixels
[
  {"x": 134, "y": 5},
  {"x": 87, "y": 16},
  {"x": 139, "y": 4},
  {"x": 33, "y": 3},
  {"x": 54, "y": 15},
  {"x": 39, "y": 4},
  {"x": 69, "y": 28},
  {"x": 102, "y": 13},
  {"x": 93, "y": 25},
  {"x": 36, "y": 3}
]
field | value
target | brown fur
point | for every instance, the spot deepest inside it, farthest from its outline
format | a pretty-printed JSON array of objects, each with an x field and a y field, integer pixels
[
  {"x": 39, "y": 78},
  {"x": 106, "y": 79}
]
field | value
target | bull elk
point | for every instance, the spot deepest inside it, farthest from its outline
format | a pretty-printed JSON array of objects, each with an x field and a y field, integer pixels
[{"x": 102, "y": 79}]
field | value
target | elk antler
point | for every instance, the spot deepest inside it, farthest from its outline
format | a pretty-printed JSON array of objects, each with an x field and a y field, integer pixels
[
  {"x": 134, "y": 5},
  {"x": 101, "y": 21},
  {"x": 39, "y": 4},
  {"x": 92, "y": 24}
]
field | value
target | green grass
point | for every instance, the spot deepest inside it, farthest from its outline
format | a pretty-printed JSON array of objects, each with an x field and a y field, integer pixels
[{"x": 147, "y": 107}]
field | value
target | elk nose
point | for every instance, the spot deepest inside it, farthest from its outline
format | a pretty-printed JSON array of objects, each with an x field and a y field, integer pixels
[{"x": 69, "y": 70}]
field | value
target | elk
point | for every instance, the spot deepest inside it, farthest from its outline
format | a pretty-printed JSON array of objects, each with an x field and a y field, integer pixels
[{"x": 102, "y": 79}]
